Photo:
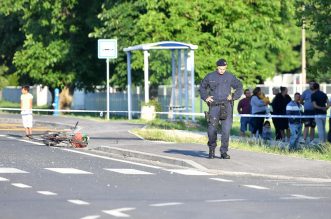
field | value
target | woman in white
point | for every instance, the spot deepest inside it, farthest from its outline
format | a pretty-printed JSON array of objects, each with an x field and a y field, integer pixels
[{"x": 26, "y": 110}]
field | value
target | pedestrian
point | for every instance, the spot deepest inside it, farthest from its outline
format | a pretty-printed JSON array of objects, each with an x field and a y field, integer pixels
[
  {"x": 266, "y": 131},
  {"x": 275, "y": 121},
  {"x": 321, "y": 105},
  {"x": 259, "y": 107},
  {"x": 26, "y": 110},
  {"x": 279, "y": 108},
  {"x": 309, "y": 110},
  {"x": 294, "y": 108},
  {"x": 215, "y": 90},
  {"x": 329, "y": 133},
  {"x": 244, "y": 107}
]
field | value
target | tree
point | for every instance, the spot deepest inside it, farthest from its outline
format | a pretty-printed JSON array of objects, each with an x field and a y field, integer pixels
[
  {"x": 57, "y": 51},
  {"x": 316, "y": 16},
  {"x": 258, "y": 38},
  {"x": 11, "y": 40}
]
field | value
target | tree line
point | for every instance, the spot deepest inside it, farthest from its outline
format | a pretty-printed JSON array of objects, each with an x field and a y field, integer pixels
[{"x": 54, "y": 42}]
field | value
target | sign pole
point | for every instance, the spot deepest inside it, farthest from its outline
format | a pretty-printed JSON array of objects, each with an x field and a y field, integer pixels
[
  {"x": 107, "y": 115},
  {"x": 107, "y": 49}
]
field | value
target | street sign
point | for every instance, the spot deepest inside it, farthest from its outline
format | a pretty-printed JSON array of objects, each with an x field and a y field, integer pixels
[{"x": 107, "y": 48}]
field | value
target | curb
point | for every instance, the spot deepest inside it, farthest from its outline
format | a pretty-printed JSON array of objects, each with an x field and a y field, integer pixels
[{"x": 151, "y": 157}]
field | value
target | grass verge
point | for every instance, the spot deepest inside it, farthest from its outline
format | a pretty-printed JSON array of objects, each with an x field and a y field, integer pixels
[{"x": 317, "y": 152}]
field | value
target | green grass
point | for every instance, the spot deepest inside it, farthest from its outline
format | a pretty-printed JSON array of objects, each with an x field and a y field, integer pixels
[
  {"x": 7, "y": 104},
  {"x": 168, "y": 131}
]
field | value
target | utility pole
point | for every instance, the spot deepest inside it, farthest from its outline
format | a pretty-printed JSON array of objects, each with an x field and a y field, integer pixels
[{"x": 303, "y": 52}]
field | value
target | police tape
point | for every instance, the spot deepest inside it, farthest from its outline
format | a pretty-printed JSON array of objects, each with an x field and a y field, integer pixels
[{"x": 102, "y": 112}]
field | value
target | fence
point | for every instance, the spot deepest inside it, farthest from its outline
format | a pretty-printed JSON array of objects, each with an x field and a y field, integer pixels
[{"x": 118, "y": 100}]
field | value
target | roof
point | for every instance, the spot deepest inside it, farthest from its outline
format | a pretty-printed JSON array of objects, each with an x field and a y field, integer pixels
[{"x": 161, "y": 45}]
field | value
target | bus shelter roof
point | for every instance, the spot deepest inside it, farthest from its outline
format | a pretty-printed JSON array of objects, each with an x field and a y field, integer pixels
[{"x": 161, "y": 45}]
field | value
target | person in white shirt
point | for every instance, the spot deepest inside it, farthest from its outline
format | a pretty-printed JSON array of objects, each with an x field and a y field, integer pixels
[{"x": 26, "y": 110}]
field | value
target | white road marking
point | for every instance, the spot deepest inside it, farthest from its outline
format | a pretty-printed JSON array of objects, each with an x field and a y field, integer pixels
[
  {"x": 11, "y": 170},
  {"x": 78, "y": 202},
  {"x": 109, "y": 158},
  {"x": 31, "y": 142},
  {"x": 129, "y": 171},
  {"x": 190, "y": 172},
  {"x": 13, "y": 138},
  {"x": 118, "y": 212},
  {"x": 221, "y": 180},
  {"x": 256, "y": 187},
  {"x": 3, "y": 179},
  {"x": 21, "y": 185},
  {"x": 68, "y": 171},
  {"x": 91, "y": 217},
  {"x": 225, "y": 200},
  {"x": 296, "y": 196},
  {"x": 166, "y": 204},
  {"x": 46, "y": 193}
]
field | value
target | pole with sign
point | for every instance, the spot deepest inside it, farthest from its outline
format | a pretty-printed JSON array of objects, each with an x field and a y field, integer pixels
[{"x": 107, "y": 49}]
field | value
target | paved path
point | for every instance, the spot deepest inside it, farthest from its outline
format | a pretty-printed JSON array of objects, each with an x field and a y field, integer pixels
[{"x": 114, "y": 137}]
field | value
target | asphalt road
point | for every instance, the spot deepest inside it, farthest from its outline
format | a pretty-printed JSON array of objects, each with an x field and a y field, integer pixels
[{"x": 37, "y": 181}]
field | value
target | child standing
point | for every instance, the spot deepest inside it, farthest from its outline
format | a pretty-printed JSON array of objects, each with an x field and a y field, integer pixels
[
  {"x": 26, "y": 110},
  {"x": 266, "y": 132}
]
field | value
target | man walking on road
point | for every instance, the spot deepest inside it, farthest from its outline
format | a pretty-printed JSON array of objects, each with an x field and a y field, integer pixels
[
  {"x": 215, "y": 90},
  {"x": 26, "y": 110}
]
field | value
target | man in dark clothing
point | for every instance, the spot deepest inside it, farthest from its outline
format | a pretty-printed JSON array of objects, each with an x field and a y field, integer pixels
[
  {"x": 215, "y": 90},
  {"x": 244, "y": 107},
  {"x": 321, "y": 105},
  {"x": 279, "y": 104}
]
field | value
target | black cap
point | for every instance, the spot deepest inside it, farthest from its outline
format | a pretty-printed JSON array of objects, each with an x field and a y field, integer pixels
[{"x": 221, "y": 62}]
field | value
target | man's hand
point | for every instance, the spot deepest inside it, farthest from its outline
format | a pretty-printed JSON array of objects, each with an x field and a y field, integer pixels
[
  {"x": 229, "y": 97},
  {"x": 210, "y": 99}
]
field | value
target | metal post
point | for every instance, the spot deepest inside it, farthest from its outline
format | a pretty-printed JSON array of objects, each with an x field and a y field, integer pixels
[
  {"x": 173, "y": 93},
  {"x": 146, "y": 54},
  {"x": 186, "y": 83},
  {"x": 128, "y": 54},
  {"x": 107, "y": 114},
  {"x": 192, "y": 83},
  {"x": 56, "y": 102},
  {"x": 180, "y": 82}
]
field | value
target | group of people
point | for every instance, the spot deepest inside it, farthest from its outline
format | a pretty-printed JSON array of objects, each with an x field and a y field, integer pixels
[
  {"x": 220, "y": 88},
  {"x": 288, "y": 116}
]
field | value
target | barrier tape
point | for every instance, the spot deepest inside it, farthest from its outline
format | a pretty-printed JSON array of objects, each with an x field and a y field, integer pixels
[{"x": 171, "y": 113}]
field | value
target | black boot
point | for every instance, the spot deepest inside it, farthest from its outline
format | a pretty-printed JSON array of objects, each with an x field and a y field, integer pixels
[
  {"x": 225, "y": 156},
  {"x": 211, "y": 153}
]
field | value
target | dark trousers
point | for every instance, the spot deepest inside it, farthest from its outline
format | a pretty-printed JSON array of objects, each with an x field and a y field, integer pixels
[
  {"x": 275, "y": 121},
  {"x": 258, "y": 123},
  {"x": 226, "y": 125}
]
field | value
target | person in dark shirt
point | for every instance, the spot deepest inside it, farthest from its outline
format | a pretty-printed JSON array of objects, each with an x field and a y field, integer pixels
[
  {"x": 244, "y": 107},
  {"x": 215, "y": 90},
  {"x": 275, "y": 121},
  {"x": 321, "y": 105},
  {"x": 279, "y": 104}
]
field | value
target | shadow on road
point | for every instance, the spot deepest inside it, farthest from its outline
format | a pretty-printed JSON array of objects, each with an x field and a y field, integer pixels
[{"x": 187, "y": 153}]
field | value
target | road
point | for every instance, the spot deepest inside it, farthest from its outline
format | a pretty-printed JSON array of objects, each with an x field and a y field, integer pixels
[{"x": 37, "y": 181}]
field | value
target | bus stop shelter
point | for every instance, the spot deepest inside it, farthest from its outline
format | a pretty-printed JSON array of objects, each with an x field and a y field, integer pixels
[{"x": 180, "y": 75}]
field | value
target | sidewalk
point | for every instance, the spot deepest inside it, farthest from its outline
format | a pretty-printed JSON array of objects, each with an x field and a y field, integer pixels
[{"x": 114, "y": 137}]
